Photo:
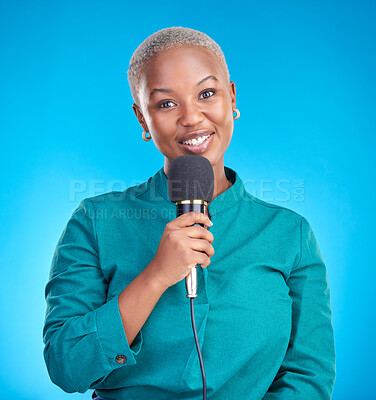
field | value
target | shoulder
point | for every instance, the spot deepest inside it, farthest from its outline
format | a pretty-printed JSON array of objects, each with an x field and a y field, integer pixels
[{"x": 267, "y": 211}]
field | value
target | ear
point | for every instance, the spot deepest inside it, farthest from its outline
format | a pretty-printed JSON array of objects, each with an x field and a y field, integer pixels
[
  {"x": 140, "y": 117},
  {"x": 233, "y": 94}
]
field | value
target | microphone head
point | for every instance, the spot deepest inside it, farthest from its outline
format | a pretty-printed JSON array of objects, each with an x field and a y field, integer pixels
[{"x": 190, "y": 177}]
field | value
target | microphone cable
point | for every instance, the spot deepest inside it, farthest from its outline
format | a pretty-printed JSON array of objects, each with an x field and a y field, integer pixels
[{"x": 198, "y": 348}]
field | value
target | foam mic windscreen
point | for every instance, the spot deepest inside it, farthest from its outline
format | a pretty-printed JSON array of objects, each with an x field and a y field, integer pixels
[{"x": 190, "y": 177}]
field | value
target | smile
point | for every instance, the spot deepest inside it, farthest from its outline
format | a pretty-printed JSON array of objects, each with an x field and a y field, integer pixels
[{"x": 199, "y": 145}]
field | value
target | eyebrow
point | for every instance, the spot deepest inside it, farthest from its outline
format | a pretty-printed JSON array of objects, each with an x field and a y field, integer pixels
[{"x": 198, "y": 84}]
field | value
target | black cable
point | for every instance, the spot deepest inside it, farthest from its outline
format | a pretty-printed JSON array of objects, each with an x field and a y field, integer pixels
[{"x": 198, "y": 348}]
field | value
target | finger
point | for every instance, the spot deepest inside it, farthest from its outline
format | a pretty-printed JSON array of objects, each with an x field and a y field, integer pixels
[
  {"x": 198, "y": 232},
  {"x": 201, "y": 245},
  {"x": 200, "y": 258},
  {"x": 192, "y": 217}
]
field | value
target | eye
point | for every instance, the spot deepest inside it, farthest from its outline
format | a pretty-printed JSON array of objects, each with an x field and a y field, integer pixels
[
  {"x": 166, "y": 104},
  {"x": 206, "y": 94}
]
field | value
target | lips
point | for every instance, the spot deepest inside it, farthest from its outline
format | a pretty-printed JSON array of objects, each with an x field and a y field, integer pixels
[
  {"x": 195, "y": 135},
  {"x": 199, "y": 148}
]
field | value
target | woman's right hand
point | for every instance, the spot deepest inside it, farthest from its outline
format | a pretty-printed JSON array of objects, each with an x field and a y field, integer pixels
[{"x": 181, "y": 247}]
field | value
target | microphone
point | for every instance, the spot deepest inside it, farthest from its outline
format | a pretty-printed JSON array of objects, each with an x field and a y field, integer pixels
[{"x": 191, "y": 185}]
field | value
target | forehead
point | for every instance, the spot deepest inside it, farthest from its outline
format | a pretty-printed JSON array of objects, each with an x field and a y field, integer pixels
[{"x": 187, "y": 64}]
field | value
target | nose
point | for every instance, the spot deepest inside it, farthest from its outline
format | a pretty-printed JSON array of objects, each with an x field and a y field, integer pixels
[{"x": 191, "y": 114}]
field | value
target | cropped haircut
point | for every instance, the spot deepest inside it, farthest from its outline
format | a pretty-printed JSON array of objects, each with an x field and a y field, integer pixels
[{"x": 166, "y": 39}]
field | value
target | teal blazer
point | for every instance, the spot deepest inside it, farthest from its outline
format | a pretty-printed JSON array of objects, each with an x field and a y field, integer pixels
[{"x": 262, "y": 313}]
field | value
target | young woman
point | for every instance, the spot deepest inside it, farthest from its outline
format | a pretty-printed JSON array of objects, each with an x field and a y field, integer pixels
[{"x": 117, "y": 318}]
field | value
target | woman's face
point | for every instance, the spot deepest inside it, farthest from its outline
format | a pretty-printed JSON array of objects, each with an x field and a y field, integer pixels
[{"x": 183, "y": 94}]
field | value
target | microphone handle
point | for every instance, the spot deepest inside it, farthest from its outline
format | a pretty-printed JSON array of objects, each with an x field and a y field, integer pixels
[{"x": 183, "y": 208}]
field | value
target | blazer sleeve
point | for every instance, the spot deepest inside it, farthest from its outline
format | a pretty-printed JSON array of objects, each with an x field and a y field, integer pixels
[
  {"x": 308, "y": 369},
  {"x": 83, "y": 331}
]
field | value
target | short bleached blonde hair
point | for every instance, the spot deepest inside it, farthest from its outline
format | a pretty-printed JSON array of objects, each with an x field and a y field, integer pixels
[{"x": 165, "y": 39}]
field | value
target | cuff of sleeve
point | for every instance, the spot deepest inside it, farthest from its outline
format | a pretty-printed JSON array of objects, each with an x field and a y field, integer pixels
[{"x": 112, "y": 337}]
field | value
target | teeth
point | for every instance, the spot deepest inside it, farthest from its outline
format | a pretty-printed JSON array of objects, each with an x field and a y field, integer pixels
[{"x": 197, "y": 141}]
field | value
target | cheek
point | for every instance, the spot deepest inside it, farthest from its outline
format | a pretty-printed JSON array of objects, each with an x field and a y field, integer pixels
[
  {"x": 223, "y": 107},
  {"x": 221, "y": 115},
  {"x": 160, "y": 124},
  {"x": 162, "y": 128}
]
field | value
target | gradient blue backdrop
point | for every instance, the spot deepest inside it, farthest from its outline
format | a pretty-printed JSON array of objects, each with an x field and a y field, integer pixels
[{"x": 305, "y": 76}]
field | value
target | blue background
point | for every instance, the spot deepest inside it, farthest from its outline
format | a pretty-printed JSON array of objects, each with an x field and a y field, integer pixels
[{"x": 305, "y": 76}]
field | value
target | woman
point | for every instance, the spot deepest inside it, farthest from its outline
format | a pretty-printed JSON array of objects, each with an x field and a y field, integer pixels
[{"x": 117, "y": 317}]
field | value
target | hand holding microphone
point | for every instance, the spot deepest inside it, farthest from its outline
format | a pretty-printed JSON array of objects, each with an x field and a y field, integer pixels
[
  {"x": 191, "y": 186},
  {"x": 182, "y": 246},
  {"x": 185, "y": 242}
]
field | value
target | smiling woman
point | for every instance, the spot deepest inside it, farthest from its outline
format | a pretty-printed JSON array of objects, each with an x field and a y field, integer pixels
[{"x": 117, "y": 318}]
